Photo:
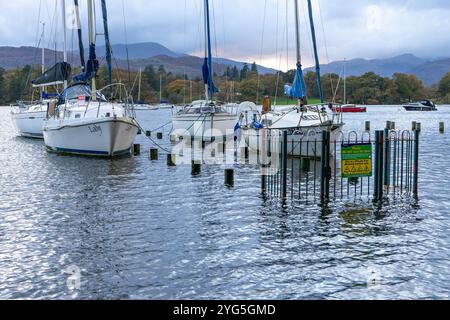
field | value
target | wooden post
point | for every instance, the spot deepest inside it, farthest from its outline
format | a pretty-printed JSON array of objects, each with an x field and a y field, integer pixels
[
  {"x": 229, "y": 177},
  {"x": 196, "y": 167},
  {"x": 367, "y": 125},
  {"x": 153, "y": 154},
  {"x": 418, "y": 126},
  {"x": 413, "y": 126},
  {"x": 137, "y": 149},
  {"x": 441, "y": 127},
  {"x": 171, "y": 160}
]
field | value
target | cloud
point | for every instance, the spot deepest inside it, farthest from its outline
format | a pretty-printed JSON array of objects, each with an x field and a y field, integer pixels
[{"x": 256, "y": 30}]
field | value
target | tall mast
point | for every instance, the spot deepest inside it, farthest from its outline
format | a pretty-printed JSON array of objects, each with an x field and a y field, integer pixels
[
  {"x": 64, "y": 35},
  {"x": 297, "y": 38},
  {"x": 80, "y": 34},
  {"x": 139, "y": 88},
  {"x": 43, "y": 58},
  {"x": 316, "y": 56},
  {"x": 107, "y": 42},
  {"x": 92, "y": 35},
  {"x": 297, "y": 33},
  {"x": 208, "y": 52},
  {"x": 345, "y": 81},
  {"x": 160, "y": 87}
]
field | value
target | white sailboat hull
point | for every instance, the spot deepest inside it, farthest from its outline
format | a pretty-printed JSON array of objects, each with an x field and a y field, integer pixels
[
  {"x": 205, "y": 125},
  {"x": 91, "y": 137},
  {"x": 29, "y": 124}
]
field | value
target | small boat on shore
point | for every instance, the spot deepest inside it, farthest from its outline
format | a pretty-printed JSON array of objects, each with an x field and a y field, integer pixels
[
  {"x": 349, "y": 108},
  {"x": 425, "y": 105}
]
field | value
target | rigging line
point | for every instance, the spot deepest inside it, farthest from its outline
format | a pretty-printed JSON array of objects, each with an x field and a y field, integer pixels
[
  {"x": 261, "y": 51},
  {"x": 277, "y": 81},
  {"x": 215, "y": 38},
  {"x": 126, "y": 41},
  {"x": 184, "y": 50},
  {"x": 325, "y": 42},
  {"x": 38, "y": 40},
  {"x": 287, "y": 35},
  {"x": 310, "y": 46}
]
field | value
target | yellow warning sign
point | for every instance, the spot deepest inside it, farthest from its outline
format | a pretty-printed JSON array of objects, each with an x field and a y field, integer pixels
[{"x": 357, "y": 160}]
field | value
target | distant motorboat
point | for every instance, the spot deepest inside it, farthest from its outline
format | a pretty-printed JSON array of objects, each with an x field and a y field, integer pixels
[
  {"x": 425, "y": 105},
  {"x": 349, "y": 108}
]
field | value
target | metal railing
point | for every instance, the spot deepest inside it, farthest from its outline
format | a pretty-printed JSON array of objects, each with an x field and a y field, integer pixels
[{"x": 309, "y": 168}]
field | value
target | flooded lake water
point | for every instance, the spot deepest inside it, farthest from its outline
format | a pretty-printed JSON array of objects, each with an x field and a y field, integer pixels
[{"x": 86, "y": 228}]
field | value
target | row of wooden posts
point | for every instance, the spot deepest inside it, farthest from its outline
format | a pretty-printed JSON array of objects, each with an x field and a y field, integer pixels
[
  {"x": 196, "y": 164},
  {"x": 391, "y": 126}
]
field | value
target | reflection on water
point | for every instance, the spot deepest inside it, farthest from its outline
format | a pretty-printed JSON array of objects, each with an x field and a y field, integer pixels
[{"x": 134, "y": 228}]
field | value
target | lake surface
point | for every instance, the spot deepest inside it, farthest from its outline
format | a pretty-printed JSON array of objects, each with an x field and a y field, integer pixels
[{"x": 83, "y": 228}]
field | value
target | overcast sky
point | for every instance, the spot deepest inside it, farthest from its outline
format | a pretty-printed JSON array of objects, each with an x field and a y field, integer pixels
[{"x": 255, "y": 30}]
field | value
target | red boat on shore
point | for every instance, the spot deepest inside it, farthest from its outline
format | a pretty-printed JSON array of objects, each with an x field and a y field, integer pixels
[{"x": 348, "y": 108}]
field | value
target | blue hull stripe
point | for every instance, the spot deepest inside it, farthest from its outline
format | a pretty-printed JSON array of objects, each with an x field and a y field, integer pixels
[{"x": 88, "y": 153}]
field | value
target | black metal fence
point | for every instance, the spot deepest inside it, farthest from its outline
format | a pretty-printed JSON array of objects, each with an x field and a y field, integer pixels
[{"x": 309, "y": 168}]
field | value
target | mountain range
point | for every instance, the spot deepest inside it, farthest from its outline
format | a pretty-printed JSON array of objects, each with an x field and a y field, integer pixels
[
  {"x": 141, "y": 55},
  {"x": 428, "y": 70}
]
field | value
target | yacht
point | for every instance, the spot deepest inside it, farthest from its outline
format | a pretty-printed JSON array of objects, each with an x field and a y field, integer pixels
[
  {"x": 82, "y": 124},
  {"x": 205, "y": 119},
  {"x": 425, "y": 105},
  {"x": 82, "y": 121}
]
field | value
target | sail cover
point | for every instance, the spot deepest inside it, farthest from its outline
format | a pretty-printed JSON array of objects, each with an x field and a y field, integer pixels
[
  {"x": 91, "y": 66},
  {"x": 298, "y": 89},
  {"x": 206, "y": 75},
  {"x": 53, "y": 76}
]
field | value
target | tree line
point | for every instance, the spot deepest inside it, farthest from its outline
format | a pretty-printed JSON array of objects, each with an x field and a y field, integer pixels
[{"x": 244, "y": 84}]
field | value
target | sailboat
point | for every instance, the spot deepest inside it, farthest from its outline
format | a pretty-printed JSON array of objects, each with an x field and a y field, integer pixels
[
  {"x": 205, "y": 119},
  {"x": 83, "y": 121},
  {"x": 29, "y": 119},
  {"x": 139, "y": 104},
  {"x": 302, "y": 122},
  {"x": 346, "y": 107}
]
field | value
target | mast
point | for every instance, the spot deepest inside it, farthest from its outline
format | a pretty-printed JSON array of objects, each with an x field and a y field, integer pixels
[
  {"x": 92, "y": 43},
  {"x": 316, "y": 56},
  {"x": 160, "y": 87},
  {"x": 297, "y": 39},
  {"x": 208, "y": 53},
  {"x": 345, "y": 81},
  {"x": 43, "y": 89},
  {"x": 64, "y": 35},
  {"x": 297, "y": 33},
  {"x": 80, "y": 34},
  {"x": 107, "y": 42},
  {"x": 139, "y": 88}
]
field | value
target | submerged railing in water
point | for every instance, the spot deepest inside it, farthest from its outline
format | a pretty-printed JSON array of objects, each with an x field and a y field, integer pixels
[{"x": 310, "y": 168}]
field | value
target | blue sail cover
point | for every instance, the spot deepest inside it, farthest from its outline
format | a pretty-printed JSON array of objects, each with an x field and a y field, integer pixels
[
  {"x": 206, "y": 74},
  {"x": 298, "y": 89},
  {"x": 91, "y": 67}
]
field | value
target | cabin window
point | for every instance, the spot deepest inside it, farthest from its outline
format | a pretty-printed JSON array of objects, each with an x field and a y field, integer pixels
[{"x": 77, "y": 116}]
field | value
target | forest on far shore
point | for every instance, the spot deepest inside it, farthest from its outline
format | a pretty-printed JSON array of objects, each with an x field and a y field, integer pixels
[{"x": 245, "y": 84}]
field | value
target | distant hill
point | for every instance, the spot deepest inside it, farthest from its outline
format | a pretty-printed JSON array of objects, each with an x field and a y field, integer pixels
[
  {"x": 144, "y": 54},
  {"x": 139, "y": 54},
  {"x": 429, "y": 71},
  {"x": 138, "y": 51}
]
